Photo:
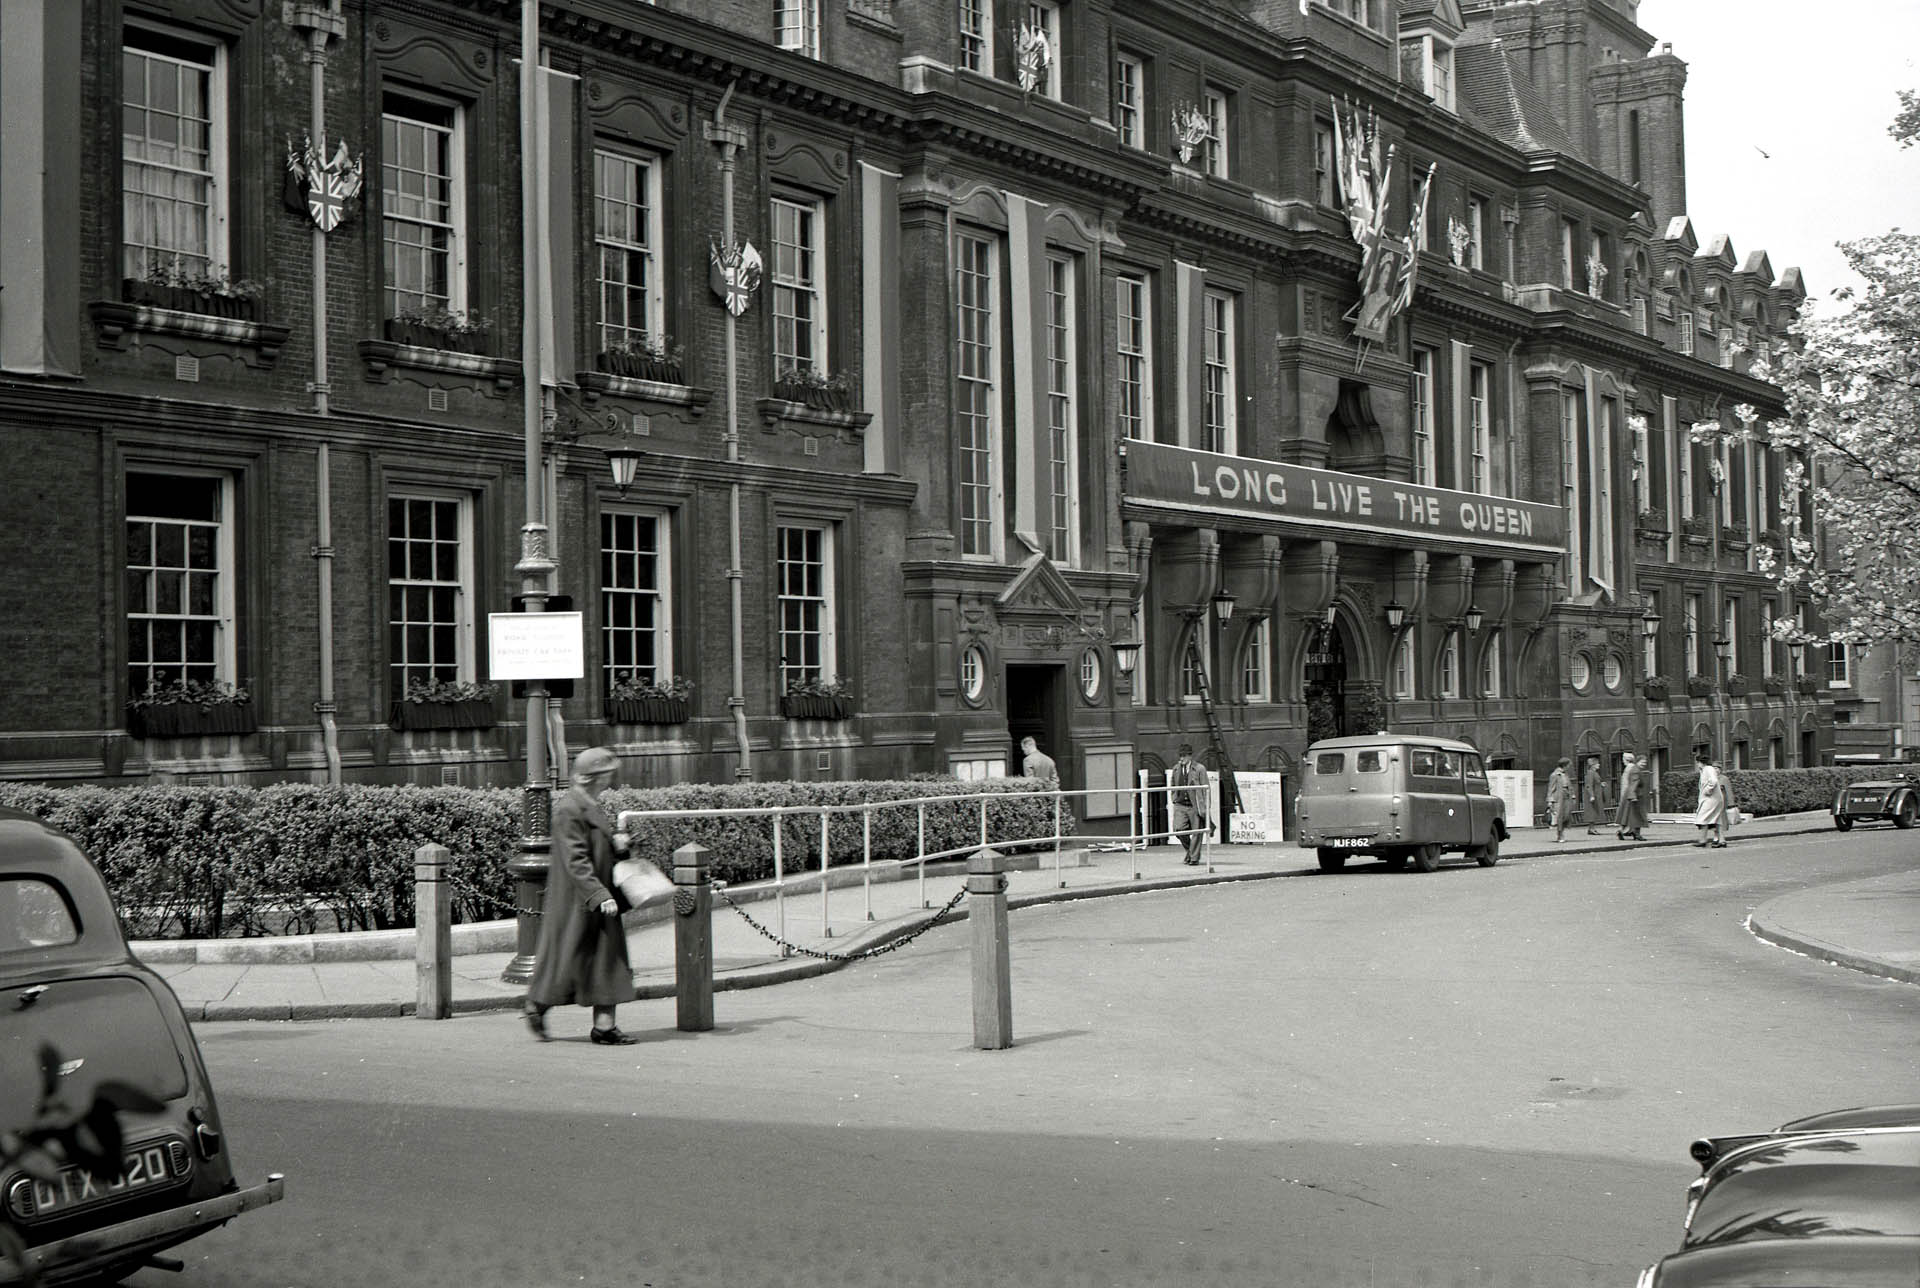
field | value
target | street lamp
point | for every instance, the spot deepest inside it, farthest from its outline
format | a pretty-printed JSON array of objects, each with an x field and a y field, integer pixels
[
  {"x": 1396, "y": 614},
  {"x": 1474, "y": 618},
  {"x": 1649, "y": 623},
  {"x": 626, "y": 463},
  {"x": 1223, "y": 606},
  {"x": 1125, "y": 654},
  {"x": 1332, "y": 612}
]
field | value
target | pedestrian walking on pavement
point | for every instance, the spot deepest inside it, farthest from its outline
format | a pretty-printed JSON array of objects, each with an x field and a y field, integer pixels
[
  {"x": 582, "y": 954},
  {"x": 1633, "y": 800},
  {"x": 1710, "y": 815},
  {"x": 1559, "y": 798},
  {"x": 1037, "y": 763},
  {"x": 1189, "y": 802},
  {"x": 1591, "y": 791}
]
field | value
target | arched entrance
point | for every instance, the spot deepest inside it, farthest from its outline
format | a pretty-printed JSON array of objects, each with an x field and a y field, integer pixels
[{"x": 1325, "y": 684}]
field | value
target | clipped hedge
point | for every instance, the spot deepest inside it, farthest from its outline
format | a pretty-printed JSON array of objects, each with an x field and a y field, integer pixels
[
  {"x": 741, "y": 849},
  {"x": 1772, "y": 791},
  {"x": 208, "y": 862}
]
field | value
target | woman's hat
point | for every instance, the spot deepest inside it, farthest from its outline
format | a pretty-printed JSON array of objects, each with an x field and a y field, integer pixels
[{"x": 593, "y": 762}]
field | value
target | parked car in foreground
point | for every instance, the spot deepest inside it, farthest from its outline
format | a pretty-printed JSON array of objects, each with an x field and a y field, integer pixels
[
  {"x": 1398, "y": 796},
  {"x": 1895, "y": 797},
  {"x": 69, "y": 984},
  {"x": 1831, "y": 1201}
]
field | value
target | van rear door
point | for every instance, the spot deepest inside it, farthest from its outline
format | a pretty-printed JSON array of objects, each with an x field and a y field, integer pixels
[{"x": 1349, "y": 790}]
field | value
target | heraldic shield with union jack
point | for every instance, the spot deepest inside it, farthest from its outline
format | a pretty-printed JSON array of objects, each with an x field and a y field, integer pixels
[
  {"x": 330, "y": 184},
  {"x": 735, "y": 275}
]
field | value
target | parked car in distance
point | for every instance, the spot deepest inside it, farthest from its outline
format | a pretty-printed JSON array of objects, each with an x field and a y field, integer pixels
[
  {"x": 1399, "y": 797},
  {"x": 1832, "y": 1200},
  {"x": 68, "y": 982},
  {"x": 1896, "y": 797}
]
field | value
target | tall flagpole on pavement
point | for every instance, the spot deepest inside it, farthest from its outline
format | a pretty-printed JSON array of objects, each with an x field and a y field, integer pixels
[
  {"x": 537, "y": 564},
  {"x": 730, "y": 139}
]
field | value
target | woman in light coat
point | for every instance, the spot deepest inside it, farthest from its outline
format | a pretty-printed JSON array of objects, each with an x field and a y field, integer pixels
[{"x": 1710, "y": 816}]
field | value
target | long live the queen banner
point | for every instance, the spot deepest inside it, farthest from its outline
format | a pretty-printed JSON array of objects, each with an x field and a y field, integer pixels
[{"x": 1159, "y": 474}]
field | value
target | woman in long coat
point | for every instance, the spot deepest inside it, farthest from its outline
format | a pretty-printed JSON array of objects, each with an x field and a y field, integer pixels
[
  {"x": 1633, "y": 799},
  {"x": 1711, "y": 814},
  {"x": 1560, "y": 798},
  {"x": 582, "y": 957}
]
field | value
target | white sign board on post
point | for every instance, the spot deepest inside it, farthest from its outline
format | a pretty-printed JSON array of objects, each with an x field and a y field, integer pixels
[{"x": 536, "y": 646}]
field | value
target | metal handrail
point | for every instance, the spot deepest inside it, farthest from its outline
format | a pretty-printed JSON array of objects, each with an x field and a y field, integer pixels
[{"x": 1136, "y": 839}]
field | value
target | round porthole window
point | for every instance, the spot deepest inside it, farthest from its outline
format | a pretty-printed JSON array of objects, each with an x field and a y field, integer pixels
[
  {"x": 973, "y": 672},
  {"x": 1581, "y": 672},
  {"x": 1090, "y": 673},
  {"x": 1611, "y": 673}
]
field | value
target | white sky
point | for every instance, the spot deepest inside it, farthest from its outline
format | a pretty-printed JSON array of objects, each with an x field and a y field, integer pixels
[{"x": 1814, "y": 86}]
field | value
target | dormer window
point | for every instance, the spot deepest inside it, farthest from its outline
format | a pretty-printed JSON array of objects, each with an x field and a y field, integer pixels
[{"x": 1426, "y": 61}]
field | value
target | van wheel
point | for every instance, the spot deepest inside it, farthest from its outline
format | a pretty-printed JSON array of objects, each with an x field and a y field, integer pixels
[
  {"x": 1489, "y": 854},
  {"x": 1906, "y": 815},
  {"x": 1427, "y": 857},
  {"x": 1844, "y": 822},
  {"x": 1396, "y": 860},
  {"x": 1332, "y": 860}
]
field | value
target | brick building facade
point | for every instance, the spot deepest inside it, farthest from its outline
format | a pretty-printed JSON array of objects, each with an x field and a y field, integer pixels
[{"x": 1052, "y": 350}]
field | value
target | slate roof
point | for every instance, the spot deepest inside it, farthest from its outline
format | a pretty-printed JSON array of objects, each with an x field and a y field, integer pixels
[{"x": 1509, "y": 104}]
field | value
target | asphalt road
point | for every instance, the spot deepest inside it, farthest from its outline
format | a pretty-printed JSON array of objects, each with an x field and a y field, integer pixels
[{"x": 1474, "y": 1077}]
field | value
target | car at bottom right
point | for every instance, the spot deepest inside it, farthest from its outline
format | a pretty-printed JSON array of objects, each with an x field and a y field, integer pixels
[
  {"x": 1895, "y": 798},
  {"x": 1829, "y": 1201}
]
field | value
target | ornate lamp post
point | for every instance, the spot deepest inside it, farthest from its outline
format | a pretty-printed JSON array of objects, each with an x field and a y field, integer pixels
[
  {"x": 1722, "y": 650},
  {"x": 1474, "y": 618}
]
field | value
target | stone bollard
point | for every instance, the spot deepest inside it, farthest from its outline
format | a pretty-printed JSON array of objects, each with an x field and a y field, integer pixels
[
  {"x": 432, "y": 933},
  {"x": 693, "y": 938},
  {"x": 992, "y": 970}
]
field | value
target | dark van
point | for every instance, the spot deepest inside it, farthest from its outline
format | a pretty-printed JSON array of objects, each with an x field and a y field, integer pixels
[{"x": 1399, "y": 797}]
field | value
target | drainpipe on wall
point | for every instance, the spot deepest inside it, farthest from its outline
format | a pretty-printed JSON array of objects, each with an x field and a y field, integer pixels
[
  {"x": 730, "y": 139},
  {"x": 322, "y": 25}
]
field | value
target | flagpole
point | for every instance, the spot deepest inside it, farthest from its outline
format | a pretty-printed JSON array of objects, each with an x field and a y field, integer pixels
[{"x": 537, "y": 565}]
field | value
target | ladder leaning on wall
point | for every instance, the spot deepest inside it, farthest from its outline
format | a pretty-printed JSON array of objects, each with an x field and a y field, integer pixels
[{"x": 1229, "y": 785}]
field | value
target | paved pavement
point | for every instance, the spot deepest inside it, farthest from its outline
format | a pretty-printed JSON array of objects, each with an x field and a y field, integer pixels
[{"x": 1871, "y": 926}]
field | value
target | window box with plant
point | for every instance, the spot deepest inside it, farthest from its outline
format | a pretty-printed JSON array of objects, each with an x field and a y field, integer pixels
[
  {"x": 1738, "y": 684},
  {"x": 642, "y": 701},
  {"x": 1657, "y": 688},
  {"x": 1698, "y": 526},
  {"x": 195, "y": 290},
  {"x": 1807, "y": 685},
  {"x": 1734, "y": 534},
  {"x": 444, "y": 704},
  {"x": 1652, "y": 523},
  {"x": 1699, "y": 686},
  {"x": 817, "y": 700},
  {"x": 654, "y": 358},
  {"x": 816, "y": 389},
  {"x": 1775, "y": 685},
  {"x": 189, "y": 708},
  {"x": 432, "y": 325}
]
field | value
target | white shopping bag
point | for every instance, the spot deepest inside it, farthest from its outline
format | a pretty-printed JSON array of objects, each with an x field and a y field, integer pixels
[{"x": 639, "y": 881}]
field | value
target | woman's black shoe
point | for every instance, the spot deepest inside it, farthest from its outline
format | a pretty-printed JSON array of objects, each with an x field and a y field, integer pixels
[
  {"x": 611, "y": 1037},
  {"x": 537, "y": 1021}
]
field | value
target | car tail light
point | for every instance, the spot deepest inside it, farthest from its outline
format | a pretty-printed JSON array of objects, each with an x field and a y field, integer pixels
[{"x": 1703, "y": 1151}]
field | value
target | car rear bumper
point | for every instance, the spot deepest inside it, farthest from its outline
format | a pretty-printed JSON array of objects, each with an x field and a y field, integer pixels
[{"x": 81, "y": 1256}]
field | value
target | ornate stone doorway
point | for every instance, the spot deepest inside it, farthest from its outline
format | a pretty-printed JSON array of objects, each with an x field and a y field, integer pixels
[{"x": 1325, "y": 683}]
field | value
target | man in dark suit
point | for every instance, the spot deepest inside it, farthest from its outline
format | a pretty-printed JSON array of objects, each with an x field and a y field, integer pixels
[{"x": 582, "y": 957}]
